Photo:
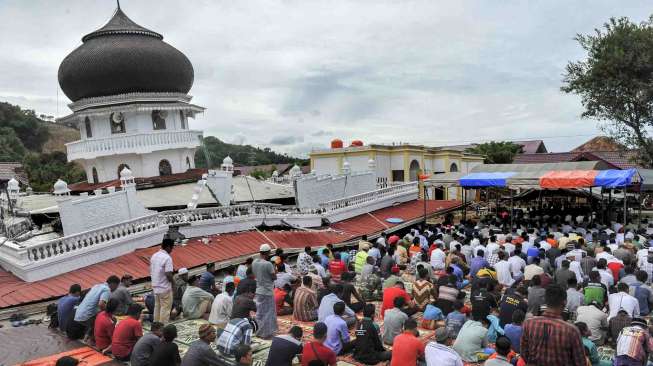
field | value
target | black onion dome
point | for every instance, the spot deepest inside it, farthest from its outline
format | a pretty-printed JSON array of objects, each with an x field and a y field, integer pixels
[{"x": 123, "y": 57}]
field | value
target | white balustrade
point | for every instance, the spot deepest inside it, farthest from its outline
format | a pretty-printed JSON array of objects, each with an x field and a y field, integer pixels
[
  {"x": 369, "y": 197},
  {"x": 86, "y": 240},
  {"x": 132, "y": 143}
]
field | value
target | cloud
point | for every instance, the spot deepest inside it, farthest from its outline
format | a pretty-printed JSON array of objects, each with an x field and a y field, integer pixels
[
  {"x": 286, "y": 140},
  {"x": 294, "y": 74}
]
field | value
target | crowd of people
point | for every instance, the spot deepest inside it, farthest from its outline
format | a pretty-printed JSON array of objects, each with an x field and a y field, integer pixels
[{"x": 550, "y": 289}]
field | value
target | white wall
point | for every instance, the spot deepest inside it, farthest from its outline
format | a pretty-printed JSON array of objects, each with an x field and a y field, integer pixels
[
  {"x": 220, "y": 182},
  {"x": 326, "y": 165},
  {"x": 397, "y": 161},
  {"x": 383, "y": 166},
  {"x": 358, "y": 163},
  {"x": 79, "y": 214},
  {"x": 311, "y": 190},
  {"x": 135, "y": 122},
  {"x": 143, "y": 165}
]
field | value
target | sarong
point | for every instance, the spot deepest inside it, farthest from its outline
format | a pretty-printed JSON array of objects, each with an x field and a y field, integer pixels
[{"x": 266, "y": 315}]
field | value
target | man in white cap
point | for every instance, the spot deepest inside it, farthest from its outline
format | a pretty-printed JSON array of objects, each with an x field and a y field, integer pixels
[
  {"x": 181, "y": 282},
  {"x": 264, "y": 271}
]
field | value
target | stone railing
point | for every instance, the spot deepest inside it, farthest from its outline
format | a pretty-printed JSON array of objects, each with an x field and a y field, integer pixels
[
  {"x": 87, "y": 240},
  {"x": 369, "y": 197},
  {"x": 138, "y": 143}
]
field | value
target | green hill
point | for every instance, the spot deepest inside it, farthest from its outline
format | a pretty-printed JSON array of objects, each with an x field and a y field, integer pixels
[{"x": 215, "y": 150}]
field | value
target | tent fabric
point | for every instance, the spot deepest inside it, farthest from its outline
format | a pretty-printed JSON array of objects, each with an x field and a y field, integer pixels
[
  {"x": 568, "y": 179},
  {"x": 490, "y": 179},
  {"x": 86, "y": 355},
  {"x": 614, "y": 178}
]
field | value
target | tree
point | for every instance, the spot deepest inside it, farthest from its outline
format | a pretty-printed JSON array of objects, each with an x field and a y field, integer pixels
[
  {"x": 216, "y": 150},
  {"x": 615, "y": 82},
  {"x": 11, "y": 148},
  {"x": 32, "y": 131},
  {"x": 44, "y": 169},
  {"x": 497, "y": 152}
]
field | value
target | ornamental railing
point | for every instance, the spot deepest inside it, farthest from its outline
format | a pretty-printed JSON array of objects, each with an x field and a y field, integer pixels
[
  {"x": 132, "y": 143},
  {"x": 92, "y": 238},
  {"x": 369, "y": 197}
]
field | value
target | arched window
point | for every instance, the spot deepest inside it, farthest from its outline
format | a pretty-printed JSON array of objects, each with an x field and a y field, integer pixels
[
  {"x": 117, "y": 121},
  {"x": 95, "y": 178},
  {"x": 453, "y": 167},
  {"x": 121, "y": 167},
  {"x": 413, "y": 170},
  {"x": 182, "y": 119},
  {"x": 164, "y": 167},
  {"x": 188, "y": 162},
  {"x": 87, "y": 127},
  {"x": 159, "y": 119}
]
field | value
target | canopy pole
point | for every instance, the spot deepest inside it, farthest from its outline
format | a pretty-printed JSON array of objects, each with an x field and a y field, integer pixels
[
  {"x": 511, "y": 209},
  {"x": 607, "y": 212},
  {"x": 590, "y": 204},
  {"x": 464, "y": 203},
  {"x": 639, "y": 200},
  {"x": 625, "y": 207}
]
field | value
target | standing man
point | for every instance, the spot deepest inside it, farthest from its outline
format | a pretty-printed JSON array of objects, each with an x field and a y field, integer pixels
[
  {"x": 266, "y": 314},
  {"x": 162, "y": 279},
  {"x": 561, "y": 340}
]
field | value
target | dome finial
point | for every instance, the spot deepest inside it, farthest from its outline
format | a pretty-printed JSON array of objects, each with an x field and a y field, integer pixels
[{"x": 118, "y": 2}]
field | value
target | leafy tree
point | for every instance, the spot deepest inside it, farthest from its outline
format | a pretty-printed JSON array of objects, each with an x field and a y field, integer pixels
[
  {"x": 615, "y": 82},
  {"x": 216, "y": 150},
  {"x": 44, "y": 169},
  {"x": 497, "y": 152},
  {"x": 32, "y": 131},
  {"x": 11, "y": 148}
]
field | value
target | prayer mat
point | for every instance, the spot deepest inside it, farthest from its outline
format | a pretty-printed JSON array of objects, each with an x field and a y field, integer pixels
[{"x": 86, "y": 355}]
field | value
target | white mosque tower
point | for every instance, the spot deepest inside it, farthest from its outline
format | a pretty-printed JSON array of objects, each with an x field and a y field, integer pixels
[{"x": 129, "y": 92}]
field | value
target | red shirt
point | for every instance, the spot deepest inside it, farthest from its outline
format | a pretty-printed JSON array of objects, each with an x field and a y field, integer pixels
[
  {"x": 337, "y": 268},
  {"x": 325, "y": 354},
  {"x": 279, "y": 298},
  {"x": 103, "y": 330},
  {"x": 124, "y": 338},
  {"x": 615, "y": 267},
  {"x": 406, "y": 349},
  {"x": 389, "y": 296}
]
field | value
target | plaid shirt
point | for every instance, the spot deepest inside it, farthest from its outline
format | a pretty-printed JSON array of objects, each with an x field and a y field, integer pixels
[
  {"x": 492, "y": 259},
  {"x": 238, "y": 331},
  {"x": 560, "y": 339}
]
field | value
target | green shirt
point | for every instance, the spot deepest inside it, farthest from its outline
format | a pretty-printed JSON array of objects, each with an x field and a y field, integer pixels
[{"x": 471, "y": 340}]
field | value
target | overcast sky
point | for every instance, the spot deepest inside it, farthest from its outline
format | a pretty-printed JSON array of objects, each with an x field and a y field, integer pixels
[{"x": 292, "y": 75}]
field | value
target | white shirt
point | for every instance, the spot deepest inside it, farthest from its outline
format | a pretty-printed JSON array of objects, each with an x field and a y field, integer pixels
[
  {"x": 605, "y": 255},
  {"x": 509, "y": 248},
  {"x": 437, "y": 259},
  {"x": 606, "y": 277},
  {"x": 503, "y": 273},
  {"x": 517, "y": 264},
  {"x": 622, "y": 300},
  {"x": 221, "y": 309},
  {"x": 491, "y": 248},
  {"x": 160, "y": 263},
  {"x": 437, "y": 354},
  {"x": 575, "y": 267}
]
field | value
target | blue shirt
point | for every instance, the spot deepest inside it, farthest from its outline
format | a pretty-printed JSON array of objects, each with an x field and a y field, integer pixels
[
  {"x": 66, "y": 310},
  {"x": 477, "y": 264},
  {"x": 88, "y": 308},
  {"x": 513, "y": 332},
  {"x": 344, "y": 256},
  {"x": 325, "y": 260},
  {"x": 207, "y": 280},
  {"x": 458, "y": 272},
  {"x": 454, "y": 322},
  {"x": 533, "y": 252},
  {"x": 433, "y": 313},
  {"x": 326, "y": 307},
  {"x": 337, "y": 332}
]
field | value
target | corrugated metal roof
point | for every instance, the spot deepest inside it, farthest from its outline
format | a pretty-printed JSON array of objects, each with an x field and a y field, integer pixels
[{"x": 223, "y": 247}]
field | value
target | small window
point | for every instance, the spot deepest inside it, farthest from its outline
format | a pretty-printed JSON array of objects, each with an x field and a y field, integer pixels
[
  {"x": 117, "y": 121},
  {"x": 164, "y": 167},
  {"x": 182, "y": 119},
  {"x": 159, "y": 119},
  {"x": 87, "y": 127},
  {"x": 398, "y": 175},
  {"x": 453, "y": 167},
  {"x": 121, "y": 167}
]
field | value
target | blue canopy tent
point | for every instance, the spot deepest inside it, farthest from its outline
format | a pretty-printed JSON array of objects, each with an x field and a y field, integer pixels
[{"x": 486, "y": 179}]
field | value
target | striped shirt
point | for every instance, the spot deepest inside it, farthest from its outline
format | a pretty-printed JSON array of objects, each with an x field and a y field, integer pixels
[
  {"x": 634, "y": 342},
  {"x": 305, "y": 305},
  {"x": 422, "y": 292},
  {"x": 549, "y": 332},
  {"x": 238, "y": 331}
]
